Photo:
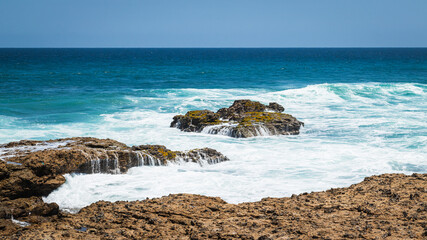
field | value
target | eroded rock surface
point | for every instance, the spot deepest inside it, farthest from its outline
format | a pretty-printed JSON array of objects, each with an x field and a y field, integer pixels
[
  {"x": 32, "y": 169},
  {"x": 245, "y": 118},
  {"x": 389, "y": 206}
]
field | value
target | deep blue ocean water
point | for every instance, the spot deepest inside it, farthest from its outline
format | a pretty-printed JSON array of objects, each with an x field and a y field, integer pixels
[{"x": 365, "y": 112}]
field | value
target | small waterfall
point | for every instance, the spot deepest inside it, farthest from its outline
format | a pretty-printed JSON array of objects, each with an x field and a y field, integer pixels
[
  {"x": 201, "y": 158},
  {"x": 198, "y": 156},
  {"x": 205, "y": 159},
  {"x": 230, "y": 130},
  {"x": 95, "y": 165},
  {"x": 108, "y": 161},
  {"x": 116, "y": 169},
  {"x": 140, "y": 158},
  {"x": 149, "y": 160},
  {"x": 179, "y": 160},
  {"x": 145, "y": 159},
  {"x": 263, "y": 131},
  {"x": 102, "y": 161},
  {"x": 225, "y": 129}
]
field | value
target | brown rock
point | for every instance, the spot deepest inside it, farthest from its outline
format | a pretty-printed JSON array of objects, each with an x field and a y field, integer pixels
[
  {"x": 368, "y": 210},
  {"x": 240, "y": 107},
  {"x": 32, "y": 169},
  {"x": 245, "y": 118},
  {"x": 275, "y": 107}
]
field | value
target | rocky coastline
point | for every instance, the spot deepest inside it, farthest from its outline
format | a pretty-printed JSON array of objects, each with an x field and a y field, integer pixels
[
  {"x": 30, "y": 170},
  {"x": 243, "y": 119},
  {"x": 390, "y": 206}
]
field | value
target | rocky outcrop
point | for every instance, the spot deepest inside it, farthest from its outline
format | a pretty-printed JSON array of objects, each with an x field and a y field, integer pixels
[
  {"x": 32, "y": 169},
  {"x": 391, "y": 206},
  {"x": 245, "y": 118}
]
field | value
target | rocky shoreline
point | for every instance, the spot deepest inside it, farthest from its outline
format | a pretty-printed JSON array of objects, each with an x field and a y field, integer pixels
[
  {"x": 387, "y": 206},
  {"x": 243, "y": 119},
  {"x": 30, "y": 170}
]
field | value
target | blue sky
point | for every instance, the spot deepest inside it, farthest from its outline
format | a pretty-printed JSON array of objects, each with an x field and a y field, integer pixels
[{"x": 219, "y": 23}]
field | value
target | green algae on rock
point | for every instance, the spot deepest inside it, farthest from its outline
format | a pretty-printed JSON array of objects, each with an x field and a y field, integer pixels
[{"x": 245, "y": 118}]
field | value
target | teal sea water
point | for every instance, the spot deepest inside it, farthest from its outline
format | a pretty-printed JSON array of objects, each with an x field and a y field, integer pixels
[{"x": 364, "y": 110}]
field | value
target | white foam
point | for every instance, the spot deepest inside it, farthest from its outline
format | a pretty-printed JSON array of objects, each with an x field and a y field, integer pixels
[
  {"x": 8, "y": 152},
  {"x": 351, "y": 131},
  {"x": 20, "y": 223},
  {"x": 225, "y": 129}
]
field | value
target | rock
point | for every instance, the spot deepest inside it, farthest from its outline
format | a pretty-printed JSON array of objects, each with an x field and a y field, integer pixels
[
  {"x": 241, "y": 106},
  {"x": 32, "y": 169},
  {"x": 245, "y": 118},
  {"x": 195, "y": 121},
  {"x": 24, "y": 207},
  {"x": 367, "y": 210},
  {"x": 201, "y": 156},
  {"x": 275, "y": 107},
  {"x": 8, "y": 228}
]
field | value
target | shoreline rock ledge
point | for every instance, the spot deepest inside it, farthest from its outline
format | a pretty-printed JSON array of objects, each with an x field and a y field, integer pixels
[
  {"x": 30, "y": 170},
  {"x": 243, "y": 119},
  {"x": 389, "y": 206}
]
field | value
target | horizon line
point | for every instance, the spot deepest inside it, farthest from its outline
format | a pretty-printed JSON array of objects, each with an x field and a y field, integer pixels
[{"x": 370, "y": 47}]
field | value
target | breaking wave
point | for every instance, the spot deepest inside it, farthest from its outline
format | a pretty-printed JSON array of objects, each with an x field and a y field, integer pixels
[{"x": 351, "y": 131}]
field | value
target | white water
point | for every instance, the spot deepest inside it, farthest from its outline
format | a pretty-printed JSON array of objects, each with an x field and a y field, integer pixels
[
  {"x": 223, "y": 129},
  {"x": 9, "y": 152},
  {"x": 20, "y": 223},
  {"x": 351, "y": 131}
]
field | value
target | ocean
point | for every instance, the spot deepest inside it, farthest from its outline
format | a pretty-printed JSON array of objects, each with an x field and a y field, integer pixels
[{"x": 365, "y": 113}]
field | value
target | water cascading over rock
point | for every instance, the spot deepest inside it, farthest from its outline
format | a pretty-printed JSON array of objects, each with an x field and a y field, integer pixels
[
  {"x": 32, "y": 169},
  {"x": 245, "y": 118}
]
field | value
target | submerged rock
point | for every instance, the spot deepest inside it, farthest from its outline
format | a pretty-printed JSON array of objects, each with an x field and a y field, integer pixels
[
  {"x": 245, "y": 118},
  {"x": 391, "y": 206},
  {"x": 32, "y": 169}
]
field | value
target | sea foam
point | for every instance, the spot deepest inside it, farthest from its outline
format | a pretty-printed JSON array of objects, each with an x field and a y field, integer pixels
[{"x": 351, "y": 131}]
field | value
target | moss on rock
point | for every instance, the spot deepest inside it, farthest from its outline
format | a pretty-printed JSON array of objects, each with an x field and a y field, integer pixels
[{"x": 245, "y": 118}]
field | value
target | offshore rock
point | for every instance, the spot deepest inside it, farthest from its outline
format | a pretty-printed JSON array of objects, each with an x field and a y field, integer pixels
[
  {"x": 245, "y": 118},
  {"x": 32, "y": 169},
  {"x": 390, "y": 206}
]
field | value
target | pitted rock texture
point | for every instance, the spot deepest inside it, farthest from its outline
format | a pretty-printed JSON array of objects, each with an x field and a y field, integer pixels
[
  {"x": 32, "y": 169},
  {"x": 389, "y": 206},
  {"x": 245, "y": 118}
]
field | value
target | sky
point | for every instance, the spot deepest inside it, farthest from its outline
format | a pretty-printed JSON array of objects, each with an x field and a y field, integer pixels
[{"x": 215, "y": 23}]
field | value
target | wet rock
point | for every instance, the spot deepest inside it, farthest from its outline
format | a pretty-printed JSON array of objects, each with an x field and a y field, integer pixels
[
  {"x": 245, "y": 118},
  {"x": 240, "y": 107},
  {"x": 195, "y": 121},
  {"x": 333, "y": 214},
  {"x": 201, "y": 156},
  {"x": 32, "y": 169},
  {"x": 24, "y": 207},
  {"x": 275, "y": 107}
]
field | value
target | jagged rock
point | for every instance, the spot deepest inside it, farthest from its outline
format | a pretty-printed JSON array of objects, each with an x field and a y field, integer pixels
[
  {"x": 195, "y": 121},
  {"x": 21, "y": 207},
  {"x": 275, "y": 107},
  {"x": 391, "y": 206},
  {"x": 207, "y": 155},
  {"x": 240, "y": 107},
  {"x": 245, "y": 118},
  {"x": 32, "y": 169}
]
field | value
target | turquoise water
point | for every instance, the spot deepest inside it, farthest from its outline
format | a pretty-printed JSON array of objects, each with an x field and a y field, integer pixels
[{"x": 364, "y": 110}]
